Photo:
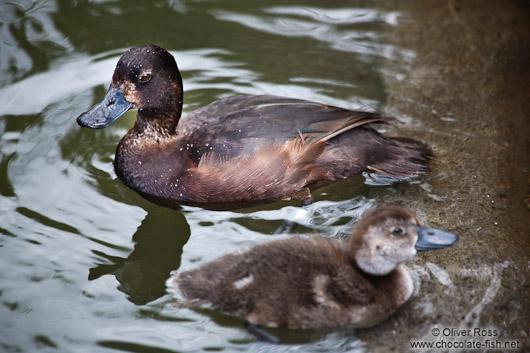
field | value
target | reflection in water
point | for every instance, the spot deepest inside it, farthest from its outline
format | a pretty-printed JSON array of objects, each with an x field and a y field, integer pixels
[
  {"x": 325, "y": 217},
  {"x": 321, "y": 25},
  {"x": 157, "y": 251},
  {"x": 29, "y": 39}
]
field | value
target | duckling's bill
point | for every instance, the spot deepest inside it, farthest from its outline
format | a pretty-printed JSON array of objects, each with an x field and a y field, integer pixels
[
  {"x": 431, "y": 238},
  {"x": 111, "y": 107}
]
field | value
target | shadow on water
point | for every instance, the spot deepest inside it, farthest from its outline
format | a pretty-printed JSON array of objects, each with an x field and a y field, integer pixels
[{"x": 143, "y": 274}]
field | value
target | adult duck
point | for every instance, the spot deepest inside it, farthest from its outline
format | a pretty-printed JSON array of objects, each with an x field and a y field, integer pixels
[{"x": 238, "y": 151}]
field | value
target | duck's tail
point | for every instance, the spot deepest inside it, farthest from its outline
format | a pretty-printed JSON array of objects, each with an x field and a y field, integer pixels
[{"x": 407, "y": 158}]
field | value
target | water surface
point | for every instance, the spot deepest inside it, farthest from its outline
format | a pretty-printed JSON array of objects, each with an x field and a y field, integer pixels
[{"x": 84, "y": 259}]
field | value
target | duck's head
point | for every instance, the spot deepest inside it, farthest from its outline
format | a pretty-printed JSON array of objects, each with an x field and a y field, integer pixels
[
  {"x": 388, "y": 236},
  {"x": 146, "y": 78}
]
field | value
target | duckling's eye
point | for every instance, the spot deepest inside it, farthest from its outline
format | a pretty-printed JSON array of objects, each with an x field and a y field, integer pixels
[
  {"x": 397, "y": 231},
  {"x": 145, "y": 78}
]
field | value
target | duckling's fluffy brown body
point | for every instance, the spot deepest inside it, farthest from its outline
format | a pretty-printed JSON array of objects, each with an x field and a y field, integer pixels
[
  {"x": 315, "y": 282},
  {"x": 297, "y": 283}
]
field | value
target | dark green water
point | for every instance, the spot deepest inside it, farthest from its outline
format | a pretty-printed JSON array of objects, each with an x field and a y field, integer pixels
[{"x": 84, "y": 259}]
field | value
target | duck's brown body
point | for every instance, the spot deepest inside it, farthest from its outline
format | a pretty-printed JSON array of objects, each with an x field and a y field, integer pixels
[
  {"x": 247, "y": 150},
  {"x": 237, "y": 151}
]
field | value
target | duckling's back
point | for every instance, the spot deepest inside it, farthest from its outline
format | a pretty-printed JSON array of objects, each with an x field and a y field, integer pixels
[{"x": 294, "y": 282}]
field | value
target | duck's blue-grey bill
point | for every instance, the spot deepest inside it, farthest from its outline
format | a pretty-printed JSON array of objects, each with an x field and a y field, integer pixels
[
  {"x": 430, "y": 238},
  {"x": 111, "y": 107}
]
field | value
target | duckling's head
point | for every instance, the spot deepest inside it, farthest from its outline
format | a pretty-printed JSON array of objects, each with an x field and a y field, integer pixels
[
  {"x": 146, "y": 78},
  {"x": 388, "y": 236}
]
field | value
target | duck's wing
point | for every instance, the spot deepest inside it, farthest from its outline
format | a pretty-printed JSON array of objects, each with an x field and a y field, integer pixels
[
  {"x": 266, "y": 148},
  {"x": 241, "y": 125}
]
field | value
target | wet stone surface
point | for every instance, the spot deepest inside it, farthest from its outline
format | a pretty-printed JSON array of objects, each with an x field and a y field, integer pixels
[{"x": 468, "y": 88}]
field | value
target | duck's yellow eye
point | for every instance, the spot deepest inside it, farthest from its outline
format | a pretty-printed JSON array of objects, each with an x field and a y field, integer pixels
[{"x": 145, "y": 77}]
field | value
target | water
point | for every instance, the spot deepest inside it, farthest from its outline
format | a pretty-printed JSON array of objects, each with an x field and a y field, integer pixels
[{"x": 84, "y": 259}]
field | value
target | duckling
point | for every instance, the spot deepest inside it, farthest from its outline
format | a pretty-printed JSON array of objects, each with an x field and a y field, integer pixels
[
  {"x": 239, "y": 151},
  {"x": 314, "y": 282}
]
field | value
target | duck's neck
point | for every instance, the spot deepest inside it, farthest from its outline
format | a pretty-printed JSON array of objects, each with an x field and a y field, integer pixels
[
  {"x": 155, "y": 124},
  {"x": 150, "y": 158},
  {"x": 393, "y": 288},
  {"x": 389, "y": 293},
  {"x": 396, "y": 284}
]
